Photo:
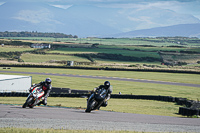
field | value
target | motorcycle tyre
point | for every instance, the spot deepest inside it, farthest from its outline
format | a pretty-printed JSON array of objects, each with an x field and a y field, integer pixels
[
  {"x": 28, "y": 101},
  {"x": 24, "y": 105},
  {"x": 90, "y": 106},
  {"x": 31, "y": 106}
]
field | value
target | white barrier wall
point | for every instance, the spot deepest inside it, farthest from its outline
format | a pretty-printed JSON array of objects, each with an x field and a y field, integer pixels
[{"x": 15, "y": 83}]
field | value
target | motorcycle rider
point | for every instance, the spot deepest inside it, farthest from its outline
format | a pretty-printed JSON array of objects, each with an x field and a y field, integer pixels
[
  {"x": 108, "y": 87},
  {"x": 46, "y": 87}
]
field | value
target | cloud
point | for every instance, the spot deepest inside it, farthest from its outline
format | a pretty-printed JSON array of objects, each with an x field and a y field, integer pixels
[
  {"x": 35, "y": 17},
  {"x": 179, "y": 6},
  {"x": 62, "y": 6},
  {"x": 1, "y": 3}
]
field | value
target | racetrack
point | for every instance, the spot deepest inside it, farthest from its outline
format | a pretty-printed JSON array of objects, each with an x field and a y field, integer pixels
[
  {"x": 69, "y": 118},
  {"x": 107, "y": 78}
]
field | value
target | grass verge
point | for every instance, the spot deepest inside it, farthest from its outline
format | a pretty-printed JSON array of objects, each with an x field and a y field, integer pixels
[
  {"x": 125, "y": 87},
  {"x": 116, "y": 105},
  {"x": 27, "y": 130},
  {"x": 158, "y": 76}
]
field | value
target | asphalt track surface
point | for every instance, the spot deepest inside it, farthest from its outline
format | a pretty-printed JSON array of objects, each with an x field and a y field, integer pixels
[
  {"x": 106, "y": 78},
  {"x": 69, "y": 118}
]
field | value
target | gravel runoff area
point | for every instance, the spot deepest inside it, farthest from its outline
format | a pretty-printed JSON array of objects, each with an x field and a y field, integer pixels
[{"x": 69, "y": 118}]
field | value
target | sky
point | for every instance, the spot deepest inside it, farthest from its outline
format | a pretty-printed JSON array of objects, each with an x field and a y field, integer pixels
[
  {"x": 130, "y": 14},
  {"x": 191, "y": 7},
  {"x": 183, "y": 6}
]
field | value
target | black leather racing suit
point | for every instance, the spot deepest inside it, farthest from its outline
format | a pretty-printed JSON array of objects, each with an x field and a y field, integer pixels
[{"x": 109, "y": 91}]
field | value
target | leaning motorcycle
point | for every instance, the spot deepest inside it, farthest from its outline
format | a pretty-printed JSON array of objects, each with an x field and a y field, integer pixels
[
  {"x": 34, "y": 97},
  {"x": 96, "y": 99}
]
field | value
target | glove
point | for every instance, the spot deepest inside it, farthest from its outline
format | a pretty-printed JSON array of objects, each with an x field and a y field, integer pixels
[
  {"x": 30, "y": 89},
  {"x": 43, "y": 98},
  {"x": 94, "y": 89}
]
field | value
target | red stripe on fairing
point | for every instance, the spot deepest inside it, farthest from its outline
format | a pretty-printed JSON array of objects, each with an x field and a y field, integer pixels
[
  {"x": 34, "y": 89},
  {"x": 41, "y": 94}
]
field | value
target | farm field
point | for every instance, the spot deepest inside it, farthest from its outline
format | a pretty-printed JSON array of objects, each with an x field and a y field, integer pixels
[
  {"x": 162, "y": 41},
  {"x": 125, "y": 52},
  {"x": 36, "y": 58},
  {"x": 108, "y": 51},
  {"x": 15, "y": 49}
]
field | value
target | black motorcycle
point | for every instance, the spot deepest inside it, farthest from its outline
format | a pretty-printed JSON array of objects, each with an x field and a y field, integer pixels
[{"x": 96, "y": 99}]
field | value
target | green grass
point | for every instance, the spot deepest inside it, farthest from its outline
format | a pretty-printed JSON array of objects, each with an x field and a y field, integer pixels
[
  {"x": 125, "y": 87},
  {"x": 110, "y": 63},
  {"x": 38, "y": 58},
  {"x": 124, "y": 46},
  {"x": 15, "y": 49},
  {"x": 194, "y": 49},
  {"x": 115, "y": 41},
  {"x": 27, "y": 130},
  {"x": 133, "y": 47},
  {"x": 158, "y": 76},
  {"x": 116, "y": 105},
  {"x": 108, "y": 51}
]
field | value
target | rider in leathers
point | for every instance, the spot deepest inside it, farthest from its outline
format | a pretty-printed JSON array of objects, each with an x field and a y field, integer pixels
[
  {"x": 107, "y": 86},
  {"x": 46, "y": 87}
]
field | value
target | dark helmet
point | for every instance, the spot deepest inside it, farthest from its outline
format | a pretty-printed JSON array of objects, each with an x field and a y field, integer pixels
[
  {"x": 107, "y": 84},
  {"x": 48, "y": 80}
]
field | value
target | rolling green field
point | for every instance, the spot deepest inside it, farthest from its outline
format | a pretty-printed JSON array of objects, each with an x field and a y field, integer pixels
[
  {"x": 15, "y": 49},
  {"x": 168, "y": 41},
  {"x": 130, "y": 51},
  {"x": 37, "y": 58},
  {"x": 108, "y": 51},
  {"x": 142, "y": 48}
]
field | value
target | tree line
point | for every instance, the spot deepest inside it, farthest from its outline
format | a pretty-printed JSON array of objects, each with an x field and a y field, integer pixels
[{"x": 35, "y": 34}]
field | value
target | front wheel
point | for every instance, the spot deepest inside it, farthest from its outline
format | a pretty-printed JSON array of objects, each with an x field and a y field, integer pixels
[
  {"x": 28, "y": 102},
  {"x": 90, "y": 106},
  {"x": 24, "y": 105}
]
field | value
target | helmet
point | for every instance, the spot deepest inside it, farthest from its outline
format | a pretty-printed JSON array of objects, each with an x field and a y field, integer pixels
[
  {"x": 48, "y": 80},
  {"x": 107, "y": 84}
]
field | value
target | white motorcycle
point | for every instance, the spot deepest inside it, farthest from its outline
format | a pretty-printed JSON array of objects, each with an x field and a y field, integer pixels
[{"x": 34, "y": 97}]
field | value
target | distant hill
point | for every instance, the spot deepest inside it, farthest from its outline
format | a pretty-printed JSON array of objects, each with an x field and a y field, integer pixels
[
  {"x": 42, "y": 17},
  {"x": 93, "y": 21},
  {"x": 35, "y": 34},
  {"x": 185, "y": 30}
]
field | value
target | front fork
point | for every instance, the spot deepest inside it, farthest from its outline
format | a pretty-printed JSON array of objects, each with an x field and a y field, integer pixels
[{"x": 91, "y": 96}]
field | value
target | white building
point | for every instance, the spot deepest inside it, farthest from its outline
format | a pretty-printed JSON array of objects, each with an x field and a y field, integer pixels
[
  {"x": 41, "y": 45},
  {"x": 15, "y": 83}
]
